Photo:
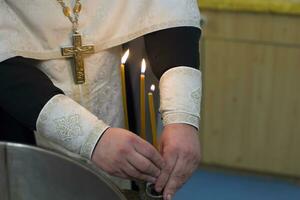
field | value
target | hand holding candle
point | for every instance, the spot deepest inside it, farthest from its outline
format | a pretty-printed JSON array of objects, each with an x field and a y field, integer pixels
[{"x": 123, "y": 81}]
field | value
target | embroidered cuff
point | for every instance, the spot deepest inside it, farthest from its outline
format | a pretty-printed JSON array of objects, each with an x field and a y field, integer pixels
[
  {"x": 180, "y": 96},
  {"x": 66, "y": 124},
  {"x": 176, "y": 117}
]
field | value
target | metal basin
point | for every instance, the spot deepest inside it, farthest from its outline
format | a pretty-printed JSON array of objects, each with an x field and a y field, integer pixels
[{"x": 30, "y": 173}]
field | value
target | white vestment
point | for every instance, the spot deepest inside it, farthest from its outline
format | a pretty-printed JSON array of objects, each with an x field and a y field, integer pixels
[{"x": 38, "y": 29}]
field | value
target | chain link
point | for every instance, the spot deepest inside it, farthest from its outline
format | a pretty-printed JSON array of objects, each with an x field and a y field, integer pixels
[{"x": 68, "y": 13}]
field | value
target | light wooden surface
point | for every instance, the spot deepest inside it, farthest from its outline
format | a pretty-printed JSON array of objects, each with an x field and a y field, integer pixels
[
  {"x": 251, "y": 116},
  {"x": 269, "y": 6},
  {"x": 252, "y": 27}
]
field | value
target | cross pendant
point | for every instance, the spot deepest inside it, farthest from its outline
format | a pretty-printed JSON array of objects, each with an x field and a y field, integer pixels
[{"x": 77, "y": 51}]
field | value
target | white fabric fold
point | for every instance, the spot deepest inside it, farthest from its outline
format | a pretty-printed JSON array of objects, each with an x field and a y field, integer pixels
[
  {"x": 180, "y": 96},
  {"x": 67, "y": 126},
  {"x": 30, "y": 28}
]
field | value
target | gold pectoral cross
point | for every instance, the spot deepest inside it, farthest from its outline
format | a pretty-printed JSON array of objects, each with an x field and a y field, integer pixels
[{"x": 77, "y": 52}]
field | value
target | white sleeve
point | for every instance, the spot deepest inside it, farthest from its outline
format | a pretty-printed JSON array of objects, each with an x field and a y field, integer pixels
[
  {"x": 180, "y": 96},
  {"x": 66, "y": 125}
]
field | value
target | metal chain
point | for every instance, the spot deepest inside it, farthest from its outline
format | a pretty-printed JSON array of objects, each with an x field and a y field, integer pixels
[{"x": 68, "y": 13}]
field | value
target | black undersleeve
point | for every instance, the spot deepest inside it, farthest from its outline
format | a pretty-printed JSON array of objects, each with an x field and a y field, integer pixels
[
  {"x": 173, "y": 47},
  {"x": 24, "y": 91}
]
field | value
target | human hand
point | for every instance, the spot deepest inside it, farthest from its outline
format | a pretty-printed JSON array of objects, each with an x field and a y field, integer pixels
[
  {"x": 180, "y": 148},
  {"x": 122, "y": 153}
]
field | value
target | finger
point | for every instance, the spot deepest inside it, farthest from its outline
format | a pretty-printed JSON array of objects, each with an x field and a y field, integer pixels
[
  {"x": 120, "y": 174},
  {"x": 170, "y": 162},
  {"x": 135, "y": 174},
  {"x": 178, "y": 177},
  {"x": 149, "y": 152},
  {"x": 143, "y": 164}
]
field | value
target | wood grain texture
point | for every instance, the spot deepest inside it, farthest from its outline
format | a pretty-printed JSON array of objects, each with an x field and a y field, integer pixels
[
  {"x": 251, "y": 115},
  {"x": 251, "y": 27}
]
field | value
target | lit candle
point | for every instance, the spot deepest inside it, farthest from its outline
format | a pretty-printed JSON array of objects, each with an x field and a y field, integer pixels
[
  {"x": 142, "y": 100},
  {"x": 152, "y": 115},
  {"x": 124, "y": 95}
]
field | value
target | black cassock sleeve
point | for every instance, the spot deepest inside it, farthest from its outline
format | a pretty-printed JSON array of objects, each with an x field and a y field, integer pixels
[
  {"x": 24, "y": 89},
  {"x": 173, "y": 47}
]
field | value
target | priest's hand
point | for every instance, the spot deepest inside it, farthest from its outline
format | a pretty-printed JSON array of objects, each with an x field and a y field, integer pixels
[
  {"x": 122, "y": 153},
  {"x": 180, "y": 148}
]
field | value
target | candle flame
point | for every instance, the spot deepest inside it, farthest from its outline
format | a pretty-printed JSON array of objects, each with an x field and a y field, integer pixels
[
  {"x": 125, "y": 56},
  {"x": 143, "y": 68},
  {"x": 152, "y": 88}
]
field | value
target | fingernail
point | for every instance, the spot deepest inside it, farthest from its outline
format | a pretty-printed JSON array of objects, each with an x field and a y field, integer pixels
[
  {"x": 169, "y": 197},
  {"x": 152, "y": 180},
  {"x": 158, "y": 189},
  {"x": 158, "y": 173}
]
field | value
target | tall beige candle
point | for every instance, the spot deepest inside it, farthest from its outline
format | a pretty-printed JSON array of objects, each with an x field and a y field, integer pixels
[
  {"x": 142, "y": 100},
  {"x": 152, "y": 116},
  {"x": 124, "y": 94}
]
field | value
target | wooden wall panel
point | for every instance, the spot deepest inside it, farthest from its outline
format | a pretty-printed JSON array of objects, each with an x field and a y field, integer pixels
[
  {"x": 252, "y": 27},
  {"x": 251, "y": 116}
]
